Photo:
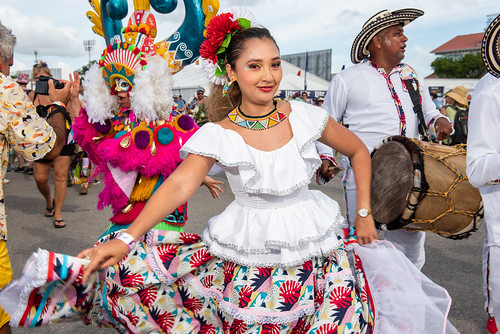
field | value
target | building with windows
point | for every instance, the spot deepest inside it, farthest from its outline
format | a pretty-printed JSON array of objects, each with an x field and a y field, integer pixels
[
  {"x": 459, "y": 46},
  {"x": 317, "y": 62}
]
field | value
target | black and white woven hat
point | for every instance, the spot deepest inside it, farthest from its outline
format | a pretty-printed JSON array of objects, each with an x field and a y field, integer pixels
[
  {"x": 490, "y": 48},
  {"x": 376, "y": 24}
]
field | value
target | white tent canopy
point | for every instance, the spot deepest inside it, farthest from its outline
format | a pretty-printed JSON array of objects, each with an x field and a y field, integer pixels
[{"x": 191, "y": 78}]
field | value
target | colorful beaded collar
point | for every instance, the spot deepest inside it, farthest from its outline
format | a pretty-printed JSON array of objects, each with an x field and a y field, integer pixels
[{"x": 256, "y": 122}]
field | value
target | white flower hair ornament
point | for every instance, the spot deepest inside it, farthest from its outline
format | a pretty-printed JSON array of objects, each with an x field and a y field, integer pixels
[{"x": 220, "y": 30}]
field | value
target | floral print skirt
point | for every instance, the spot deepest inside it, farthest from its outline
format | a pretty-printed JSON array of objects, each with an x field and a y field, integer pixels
[{"x": 170, "y": 283}]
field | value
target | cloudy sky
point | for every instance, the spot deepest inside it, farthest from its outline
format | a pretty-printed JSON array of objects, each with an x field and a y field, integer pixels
[{"x": 57, "y": 28}]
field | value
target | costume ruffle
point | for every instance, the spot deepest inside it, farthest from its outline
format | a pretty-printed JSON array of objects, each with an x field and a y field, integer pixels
[
  {"x": 171, "y": 283},
  {"x": 264, "y": 172},
  {"x": 281, "y": 234}
]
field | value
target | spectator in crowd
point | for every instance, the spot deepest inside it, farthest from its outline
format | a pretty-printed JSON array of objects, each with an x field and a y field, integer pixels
[
  {"x": 198, "y": 109},
  {"x": 179, "y": 105},
  {"x": 294, "y": 97},
  {"x": 456, "y": 102},
  {"x": 319, "y": 101},
  {"x": 305, "y": 98},
  {"x": 183, "y": 101},
  {"x": 61, "y": 165},
  {"x": 27, "y": 133},
  {"x": 435, "y": 99},
  {"x": 23, "y": 80}
]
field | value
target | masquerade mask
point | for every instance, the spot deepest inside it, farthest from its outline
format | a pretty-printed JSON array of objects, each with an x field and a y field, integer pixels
[{"x": 122, "y": 85}]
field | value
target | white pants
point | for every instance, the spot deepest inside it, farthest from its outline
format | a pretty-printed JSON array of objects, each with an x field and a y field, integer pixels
[
  {"x": 410, "y": 243},
  {"x": 491, "y": 249}
]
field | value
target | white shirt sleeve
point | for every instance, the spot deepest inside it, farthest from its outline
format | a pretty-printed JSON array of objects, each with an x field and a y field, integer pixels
[
  {"x": 336, "y": 98},
  {"x": 324, "y": 149},
  {"x": 483, "y": 142}
]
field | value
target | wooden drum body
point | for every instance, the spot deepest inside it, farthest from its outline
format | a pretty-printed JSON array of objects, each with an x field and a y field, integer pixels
[{"x": 423, "y": 186}]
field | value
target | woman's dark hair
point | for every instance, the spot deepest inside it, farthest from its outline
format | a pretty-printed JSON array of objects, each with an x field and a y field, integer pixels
[{"x": 217, "y": 106}]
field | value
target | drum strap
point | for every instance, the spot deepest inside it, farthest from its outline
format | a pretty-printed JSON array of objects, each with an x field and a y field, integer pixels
[{"x": 417, "y": 107}]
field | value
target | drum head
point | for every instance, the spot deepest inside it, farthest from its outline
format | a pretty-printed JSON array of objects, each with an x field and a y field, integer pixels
[{"x": 392, "y": 180}]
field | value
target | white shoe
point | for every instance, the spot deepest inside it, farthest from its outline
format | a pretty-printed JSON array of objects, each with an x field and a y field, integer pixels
[{"x": 5, "y": 181}]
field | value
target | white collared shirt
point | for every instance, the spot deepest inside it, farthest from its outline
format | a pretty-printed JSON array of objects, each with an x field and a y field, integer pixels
[
  {"x": 360, "y": 97},
  {"x": 483, "y": 151},
  {"x": 483, "y": 142}
]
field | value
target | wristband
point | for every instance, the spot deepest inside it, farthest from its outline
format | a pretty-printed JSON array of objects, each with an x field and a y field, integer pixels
[
  {"x": 59, "y": 103},
  {"x": 127, "y": 239}
]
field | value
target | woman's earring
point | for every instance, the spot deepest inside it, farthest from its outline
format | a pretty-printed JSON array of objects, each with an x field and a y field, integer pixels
[{"x": 227, "y": 85}]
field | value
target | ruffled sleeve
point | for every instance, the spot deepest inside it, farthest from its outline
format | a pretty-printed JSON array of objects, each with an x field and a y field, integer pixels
[
  {"x": 278, "y": 172},
  {"x": 308, "y": 122},
  {"x": 225, "y": 146}
]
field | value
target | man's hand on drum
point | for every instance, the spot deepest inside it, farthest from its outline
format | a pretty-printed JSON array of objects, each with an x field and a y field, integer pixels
[
  {"x": 365, "y": 229},
  {"x": 443, "y": 128}
]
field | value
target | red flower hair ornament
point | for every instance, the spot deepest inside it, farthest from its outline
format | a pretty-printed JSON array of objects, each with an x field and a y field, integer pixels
[{"x": 219, "y": 32}]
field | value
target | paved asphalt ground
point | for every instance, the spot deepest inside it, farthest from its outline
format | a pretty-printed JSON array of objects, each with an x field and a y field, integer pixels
[{"x": 454, "y": 264}]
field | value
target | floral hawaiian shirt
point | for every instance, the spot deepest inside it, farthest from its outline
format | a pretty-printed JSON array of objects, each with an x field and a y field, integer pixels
[{"x": 22, "y": 129}]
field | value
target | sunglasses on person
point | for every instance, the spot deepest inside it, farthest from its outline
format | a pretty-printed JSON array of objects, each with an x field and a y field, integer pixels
[{"x": 42, "y": 65}]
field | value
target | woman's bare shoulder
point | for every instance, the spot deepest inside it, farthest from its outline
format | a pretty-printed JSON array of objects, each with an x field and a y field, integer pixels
[
  {"x": 284, "y": 107},
  {"x": 225, "y": 123}
]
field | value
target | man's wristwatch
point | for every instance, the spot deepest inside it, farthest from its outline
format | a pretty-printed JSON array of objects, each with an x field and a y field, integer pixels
[
  {"x": 127, "y": 239},
  {"x": 363, "y": 213}
]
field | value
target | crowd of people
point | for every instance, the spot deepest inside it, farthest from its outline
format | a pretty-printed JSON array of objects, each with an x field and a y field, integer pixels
[{"x": 281, "y": 258}]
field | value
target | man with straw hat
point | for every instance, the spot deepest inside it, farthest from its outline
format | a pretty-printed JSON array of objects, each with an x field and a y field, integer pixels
[
  {"x": 457, "y": 111},
  {"x": 483, "y": 164},
  {"x": 372, "y": 99}
]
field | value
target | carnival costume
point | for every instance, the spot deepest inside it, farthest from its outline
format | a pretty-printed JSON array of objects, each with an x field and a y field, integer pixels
[
  {"x": 275, "y": 261},
  {"x": 136, "y": 149}
]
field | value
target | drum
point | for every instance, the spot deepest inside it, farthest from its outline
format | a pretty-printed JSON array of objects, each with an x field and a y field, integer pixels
[{"x": 423, "y": 186}]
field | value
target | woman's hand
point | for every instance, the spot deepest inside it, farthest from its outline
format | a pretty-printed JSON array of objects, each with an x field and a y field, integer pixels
[
  {"x": 103, "y": 255},
  {"x": 212, "y": 186},
  {"x": 75, "y": 85},
  {"x": 365, "y": 229}
]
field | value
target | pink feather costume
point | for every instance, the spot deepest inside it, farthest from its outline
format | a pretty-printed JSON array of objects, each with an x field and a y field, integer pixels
[{"x": 152, "y": 150}]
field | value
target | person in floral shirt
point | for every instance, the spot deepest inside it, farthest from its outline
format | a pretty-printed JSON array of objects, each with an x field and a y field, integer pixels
[{"x": 29, "y": 135}]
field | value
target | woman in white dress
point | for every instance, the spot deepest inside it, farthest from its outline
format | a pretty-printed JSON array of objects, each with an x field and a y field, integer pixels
[{"x": 275, "y": 261}]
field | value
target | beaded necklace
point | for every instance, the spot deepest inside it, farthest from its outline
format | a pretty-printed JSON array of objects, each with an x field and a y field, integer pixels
[
  {"x": 256, "y": 122},
  {"x": 395, "y": 97}
]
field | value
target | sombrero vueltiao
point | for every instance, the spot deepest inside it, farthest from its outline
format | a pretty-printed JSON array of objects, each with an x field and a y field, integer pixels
[
  {"x": 376, "y": 24},
  {"x": 490, "y": 49}
]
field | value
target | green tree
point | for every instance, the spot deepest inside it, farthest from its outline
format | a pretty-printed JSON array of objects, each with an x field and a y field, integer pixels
[{"x": 469, "y": 66}]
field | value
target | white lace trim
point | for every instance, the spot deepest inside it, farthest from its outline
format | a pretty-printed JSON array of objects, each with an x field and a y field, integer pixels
[
  {"x": 334, "y": 228},
  {"x": 253, "y": 168},
  {"x": 317, "y": 135},
  {"x": 318, "y": 253},
  {"x": 37, "y": 278}
]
